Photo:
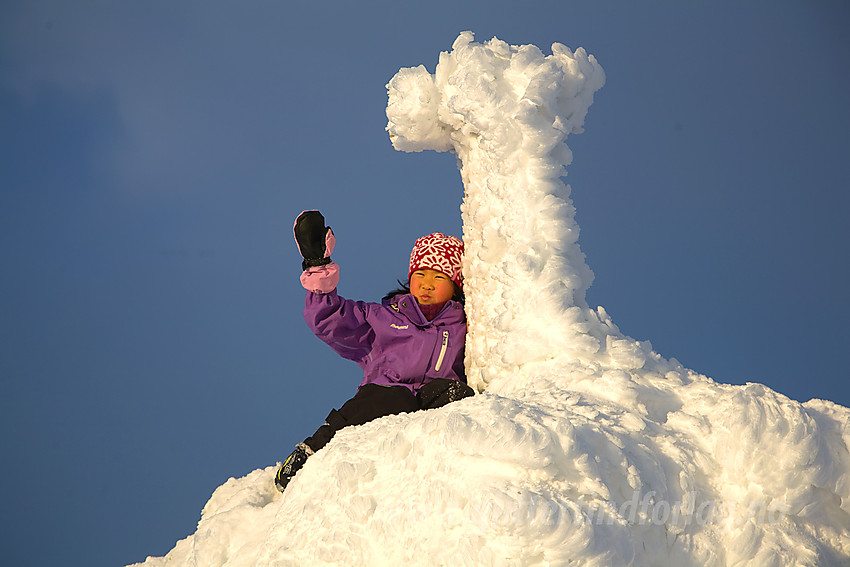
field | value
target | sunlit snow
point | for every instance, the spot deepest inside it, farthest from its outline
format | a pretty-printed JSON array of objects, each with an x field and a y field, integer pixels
[{"x": 584, "y": 446}]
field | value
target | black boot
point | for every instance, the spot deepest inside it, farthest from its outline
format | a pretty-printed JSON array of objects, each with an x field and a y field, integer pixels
[{"x": 292, "y": 465}]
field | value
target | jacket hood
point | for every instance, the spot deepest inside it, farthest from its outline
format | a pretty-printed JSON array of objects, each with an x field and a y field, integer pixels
[{"x": 406, "y": 304}]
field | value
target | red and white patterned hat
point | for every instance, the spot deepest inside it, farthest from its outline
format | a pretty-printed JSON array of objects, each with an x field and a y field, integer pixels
[{"x": 438, "y": 252}]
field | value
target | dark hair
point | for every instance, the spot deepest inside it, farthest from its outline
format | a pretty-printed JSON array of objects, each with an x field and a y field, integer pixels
[{"x": 404, "y": 289}]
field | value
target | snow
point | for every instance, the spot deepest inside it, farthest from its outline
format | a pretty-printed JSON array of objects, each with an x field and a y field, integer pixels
[{"x": 584, "y": 446}]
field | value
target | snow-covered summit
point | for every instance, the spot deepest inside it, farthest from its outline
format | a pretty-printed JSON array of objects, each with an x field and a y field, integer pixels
[{"x": 585, "y": 446}]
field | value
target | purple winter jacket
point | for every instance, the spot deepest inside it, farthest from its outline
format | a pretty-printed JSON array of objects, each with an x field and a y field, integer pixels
[{"x": 393, "y": 342}]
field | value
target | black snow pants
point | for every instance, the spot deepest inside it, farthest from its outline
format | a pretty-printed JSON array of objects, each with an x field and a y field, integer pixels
[{"x": 373, "y": 401}]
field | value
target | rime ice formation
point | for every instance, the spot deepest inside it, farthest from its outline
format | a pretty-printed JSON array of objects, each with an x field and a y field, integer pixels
[
  {"x": 585, "y": 447},
  {"x": 506, "y": 112}
]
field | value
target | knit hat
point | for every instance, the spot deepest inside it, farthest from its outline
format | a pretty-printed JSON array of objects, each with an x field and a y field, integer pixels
[{"x": 438, "y": 252}]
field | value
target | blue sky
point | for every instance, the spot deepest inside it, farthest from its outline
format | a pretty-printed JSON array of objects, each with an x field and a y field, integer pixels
[{"x": 155, "y": 153}]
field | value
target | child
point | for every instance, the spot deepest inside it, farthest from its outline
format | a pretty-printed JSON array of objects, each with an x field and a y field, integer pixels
[{"x": 410, "y": 346}]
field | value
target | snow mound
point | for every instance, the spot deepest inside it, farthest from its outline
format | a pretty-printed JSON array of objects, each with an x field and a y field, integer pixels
[{"x": 584, "y": 446}]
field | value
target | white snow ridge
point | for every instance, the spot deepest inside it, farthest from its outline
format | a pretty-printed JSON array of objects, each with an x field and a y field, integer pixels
[{"x": 585, "y": 447}]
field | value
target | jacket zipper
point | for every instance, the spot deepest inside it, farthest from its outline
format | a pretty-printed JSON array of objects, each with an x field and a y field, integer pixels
[{"x": 442, "y": 350}]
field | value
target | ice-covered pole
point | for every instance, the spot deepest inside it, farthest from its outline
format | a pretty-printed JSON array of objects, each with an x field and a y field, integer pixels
[{"x": 506, "y": 111}]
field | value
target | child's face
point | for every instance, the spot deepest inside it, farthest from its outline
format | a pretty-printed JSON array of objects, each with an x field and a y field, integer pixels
[{"x": 430, "y": 287}]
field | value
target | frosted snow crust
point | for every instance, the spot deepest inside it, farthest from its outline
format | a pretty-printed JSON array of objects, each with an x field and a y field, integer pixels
[{"x": 585, "y": 447}]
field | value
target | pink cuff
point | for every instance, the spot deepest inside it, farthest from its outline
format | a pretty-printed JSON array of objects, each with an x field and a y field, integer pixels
[{"x": 321, "y": 279}]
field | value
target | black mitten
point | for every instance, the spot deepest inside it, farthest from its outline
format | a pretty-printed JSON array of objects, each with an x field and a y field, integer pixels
[
  {"x": 441, "y": 391},
  {"x": 315, "y": 240}
]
